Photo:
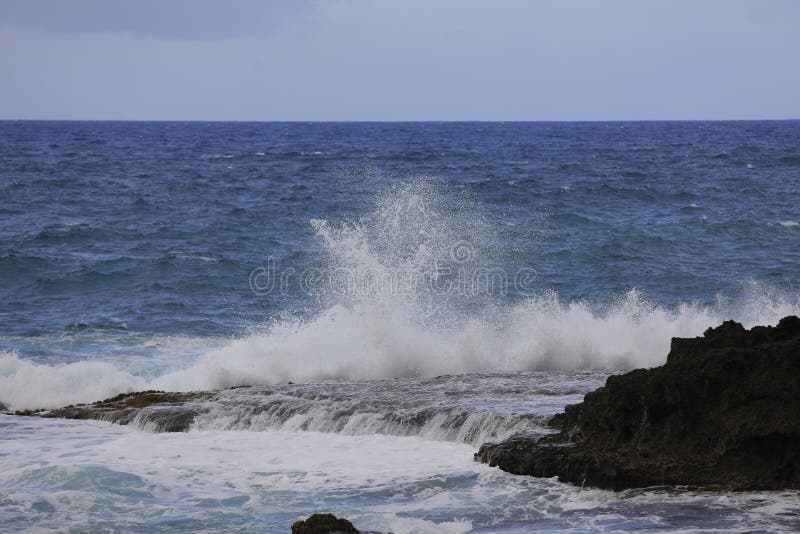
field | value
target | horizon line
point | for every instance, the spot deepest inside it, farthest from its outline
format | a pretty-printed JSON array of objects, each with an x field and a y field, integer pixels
[{"x": 399, "y": 121}]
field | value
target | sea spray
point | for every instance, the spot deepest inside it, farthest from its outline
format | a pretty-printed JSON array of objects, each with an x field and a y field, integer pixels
[{"x": 430, "y": 319}]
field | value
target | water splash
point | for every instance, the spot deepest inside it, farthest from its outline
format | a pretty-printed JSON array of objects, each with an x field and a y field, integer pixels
[{"x": 417, "y": 326}]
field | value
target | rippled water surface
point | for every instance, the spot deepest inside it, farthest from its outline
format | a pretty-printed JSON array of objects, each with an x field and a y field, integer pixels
[{"x": 390, "y": 295}]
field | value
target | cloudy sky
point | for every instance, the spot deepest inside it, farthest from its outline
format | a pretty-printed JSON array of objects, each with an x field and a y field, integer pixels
[{"x": 400, "y": 60}]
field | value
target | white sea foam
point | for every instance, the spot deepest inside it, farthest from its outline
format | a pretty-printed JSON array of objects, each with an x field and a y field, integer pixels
[
  {"x": 789, "y": 223},
  {"x": 58, "y": 474},
  {"x": 541, "y": 333},
  {"x": 24, "y": 384},
  {"x": 209, "y": 476},
  {"x": 182, "y": 255},
  {"x": 410, "y": 330},
  {"x": 365, "y": 342}
]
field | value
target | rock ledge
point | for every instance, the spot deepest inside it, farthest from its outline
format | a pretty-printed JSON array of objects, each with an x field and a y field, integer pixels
[
  {"x": 158, "y": 410},
  {"x": 722, "y": 413}
]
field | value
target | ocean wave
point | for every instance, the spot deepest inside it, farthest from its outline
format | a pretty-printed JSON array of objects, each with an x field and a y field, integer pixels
[
  {"x": 28, "y": 385},
  {"x": 541, "y": 333},
  {"x": 366, "y": 343},
  {"x": 417, "y": 331}
]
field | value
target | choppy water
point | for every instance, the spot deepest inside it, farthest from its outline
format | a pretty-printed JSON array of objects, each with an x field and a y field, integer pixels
[{"x": 425, "y": 287}]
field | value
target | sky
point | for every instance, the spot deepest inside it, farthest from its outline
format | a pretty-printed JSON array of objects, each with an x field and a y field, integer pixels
[{"x": 314, "y": 60}]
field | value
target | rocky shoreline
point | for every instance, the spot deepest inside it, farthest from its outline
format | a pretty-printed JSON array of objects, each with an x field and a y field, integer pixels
[
  {"x": 159, "y": 410},
  {"x": 722, "y": 413}
]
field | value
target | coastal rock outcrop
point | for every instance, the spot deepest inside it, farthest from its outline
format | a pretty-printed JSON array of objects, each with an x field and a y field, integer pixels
[
  {"x": 159, "y": 410},
  {"x": 323, "y": 524},
  {"x": 722, "y": 413}
]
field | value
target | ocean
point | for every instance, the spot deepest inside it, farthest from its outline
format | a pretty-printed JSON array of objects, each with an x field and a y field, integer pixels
[{"x": 396, "y": 293}]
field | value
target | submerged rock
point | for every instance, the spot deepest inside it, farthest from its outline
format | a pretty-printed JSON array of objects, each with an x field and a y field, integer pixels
[
  {"x": 157, "y": 410},
  {"x": 323, "y": 524},
  {"x": 722, "y": 413}
]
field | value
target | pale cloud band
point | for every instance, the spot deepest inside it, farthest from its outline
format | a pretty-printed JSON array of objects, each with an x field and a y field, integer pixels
[{"x": 410, "y": 60}]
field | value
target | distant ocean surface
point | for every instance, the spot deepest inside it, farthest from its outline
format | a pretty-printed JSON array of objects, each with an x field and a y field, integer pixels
[{"x": 424, "y": 287}]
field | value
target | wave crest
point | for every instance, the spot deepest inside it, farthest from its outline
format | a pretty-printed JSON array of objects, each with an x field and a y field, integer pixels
[{"x": 417, "y": 332}]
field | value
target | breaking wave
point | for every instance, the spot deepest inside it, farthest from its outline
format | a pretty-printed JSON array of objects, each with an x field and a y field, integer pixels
[{"x": 411, "y": 330}]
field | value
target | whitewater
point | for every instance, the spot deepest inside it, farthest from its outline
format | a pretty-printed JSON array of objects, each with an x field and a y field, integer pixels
[
  {"x": 386, "y": 322},
  {"x": 366, "y": 305}
]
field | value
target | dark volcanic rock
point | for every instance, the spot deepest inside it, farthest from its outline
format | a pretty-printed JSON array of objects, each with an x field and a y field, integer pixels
[
  {"x": 723, "y": 412},
  {"x": 160, "y": 411},
  {"x": 323, "y": 524}
]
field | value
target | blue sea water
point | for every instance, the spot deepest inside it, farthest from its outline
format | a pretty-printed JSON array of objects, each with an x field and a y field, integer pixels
[{"x": 523, "y": 261}]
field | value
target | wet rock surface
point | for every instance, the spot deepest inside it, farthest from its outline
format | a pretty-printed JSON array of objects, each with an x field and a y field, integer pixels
[
  {"x": 461, "y": 408},
  {"x": 722, "y": 413},
  {"x": 157, "y": 410},
  {"x": 323, "y": 524}
]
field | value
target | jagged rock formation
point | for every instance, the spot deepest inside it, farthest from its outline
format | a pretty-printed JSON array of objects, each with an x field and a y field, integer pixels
[
  {"x": 323, "y": 524},
  {"x": 723, "y": 412}
]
